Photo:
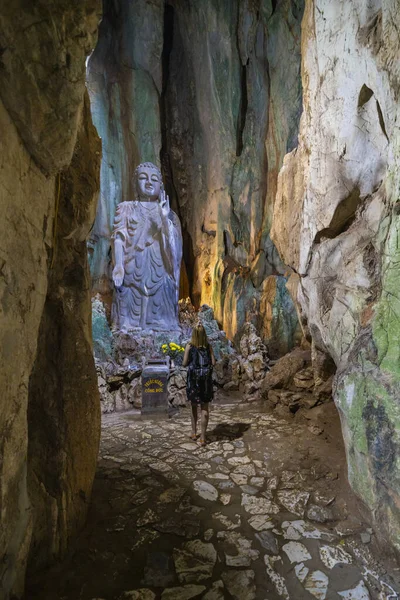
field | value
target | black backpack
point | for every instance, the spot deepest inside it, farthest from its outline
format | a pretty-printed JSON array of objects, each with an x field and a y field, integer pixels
[
  {"x": 199, "y": 381},
  {"x": 202, "y": 362}
]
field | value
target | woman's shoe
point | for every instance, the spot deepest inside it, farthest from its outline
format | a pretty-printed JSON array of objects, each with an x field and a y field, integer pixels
[
  {"x": 202, "y": 443},
  {"x": 193, "y": 436}
]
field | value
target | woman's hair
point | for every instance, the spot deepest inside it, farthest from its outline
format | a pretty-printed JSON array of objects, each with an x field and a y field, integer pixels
[{"x": 199, "y": 337}]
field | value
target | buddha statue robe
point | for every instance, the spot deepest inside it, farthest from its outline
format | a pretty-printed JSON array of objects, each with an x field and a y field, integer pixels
[{"x": 152, "y": 252}]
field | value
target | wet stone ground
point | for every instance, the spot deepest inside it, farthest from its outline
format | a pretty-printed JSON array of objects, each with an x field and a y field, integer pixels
[{"x": 262, "y": 512}]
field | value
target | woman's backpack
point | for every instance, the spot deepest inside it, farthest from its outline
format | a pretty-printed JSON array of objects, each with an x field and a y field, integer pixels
[
  {"x": 200, "y": 373},
  {"x": 202, "y": 361}
]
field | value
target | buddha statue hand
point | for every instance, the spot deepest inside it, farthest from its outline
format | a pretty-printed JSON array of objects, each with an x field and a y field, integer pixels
[
  {"x": 118, "y": 275},
  {"x": 164, "y": 203}
]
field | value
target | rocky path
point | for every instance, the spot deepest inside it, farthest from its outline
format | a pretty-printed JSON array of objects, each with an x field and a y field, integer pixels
[{"x": 263, "y": 512}]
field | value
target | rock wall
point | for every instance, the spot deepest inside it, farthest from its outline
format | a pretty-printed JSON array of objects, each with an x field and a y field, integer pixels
[
  {"x": 43, "y": 49},
  {"x": 64, "y": 405},
  {"x": 211, "y": 90},
  {"x": 24, "y": 233},
  {"x": 336, "y": 223},
  {"x": 233, "y": 100},
  {"x": 124, "y": 82}
]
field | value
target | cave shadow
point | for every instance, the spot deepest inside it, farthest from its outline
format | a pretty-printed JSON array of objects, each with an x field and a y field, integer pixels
[{"x": 227, "y": 431}]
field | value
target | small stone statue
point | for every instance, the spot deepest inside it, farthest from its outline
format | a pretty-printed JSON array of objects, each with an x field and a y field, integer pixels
[{"x": 147, "y": 252}]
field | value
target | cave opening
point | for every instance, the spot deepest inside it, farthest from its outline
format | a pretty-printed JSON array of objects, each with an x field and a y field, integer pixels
[{"x": 296, "y": 388}]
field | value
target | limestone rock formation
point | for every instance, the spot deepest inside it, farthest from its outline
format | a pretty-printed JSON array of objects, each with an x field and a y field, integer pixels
[
  {"x": 336, "y": 224},
  {"x": 227, "y": 69},
  {"x": 43, "y": 48},
  {"x": 215, "y": 87},
  {"x": 251, "y": 364},
  {"x": 64, "y": 406},
  {"x": 125, "y": 83},
  {"x": 23, "y": 291},
  {"x": 283, "y": 372},
  {"x": 42, "y": 77}
]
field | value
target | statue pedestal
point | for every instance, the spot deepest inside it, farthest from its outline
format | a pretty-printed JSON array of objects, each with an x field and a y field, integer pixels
[
  {"x": 140, "y": 345},
  {"x": 155, "y": 386}
]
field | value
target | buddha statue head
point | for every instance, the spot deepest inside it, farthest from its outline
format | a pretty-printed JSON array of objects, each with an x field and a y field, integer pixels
[{"x": 148, "y": 182}]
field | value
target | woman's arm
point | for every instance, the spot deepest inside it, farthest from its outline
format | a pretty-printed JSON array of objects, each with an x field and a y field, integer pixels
[
  {"x": 213, "y": 361},
  {"x": 186, "y": 355}
]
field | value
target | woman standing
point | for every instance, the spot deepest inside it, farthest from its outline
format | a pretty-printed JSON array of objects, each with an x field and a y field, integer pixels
[{"x": 199, "y": 358}]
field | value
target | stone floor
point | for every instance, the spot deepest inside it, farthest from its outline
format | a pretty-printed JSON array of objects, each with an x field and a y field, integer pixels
[{"x": 263, "y": 512}]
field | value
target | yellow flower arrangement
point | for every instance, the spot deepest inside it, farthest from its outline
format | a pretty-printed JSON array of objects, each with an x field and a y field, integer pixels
[{"x": 175, "y": 351}]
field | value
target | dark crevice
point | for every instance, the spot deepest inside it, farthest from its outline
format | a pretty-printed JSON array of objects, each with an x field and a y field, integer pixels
[
  {"x": 165, "y": 62},
  {"x": 382, "y": 448},
  {"x": 372, "y": 263},
  {"x": 343, "y": 217},
  {"x": 364, "y": 96},
  {"x": 297, "y": 7},
  {"x": 293, "y": 133},
  {"x": 381, "y": 120},
  {"x": 242, "y": 110},
  {"x": 343, "y": 152},
  {"x": 227, "y": 242},
  {"x": 188, "y": 260},
  {"x": 210, "y": 232},
  {"x": 234, "y": 217},
  {"x": 273, "y": 4},
  {"x": 169, "y": 18}
]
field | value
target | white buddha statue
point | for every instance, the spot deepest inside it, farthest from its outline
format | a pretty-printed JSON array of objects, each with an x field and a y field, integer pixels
[{"x": 147, "y": 253}]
